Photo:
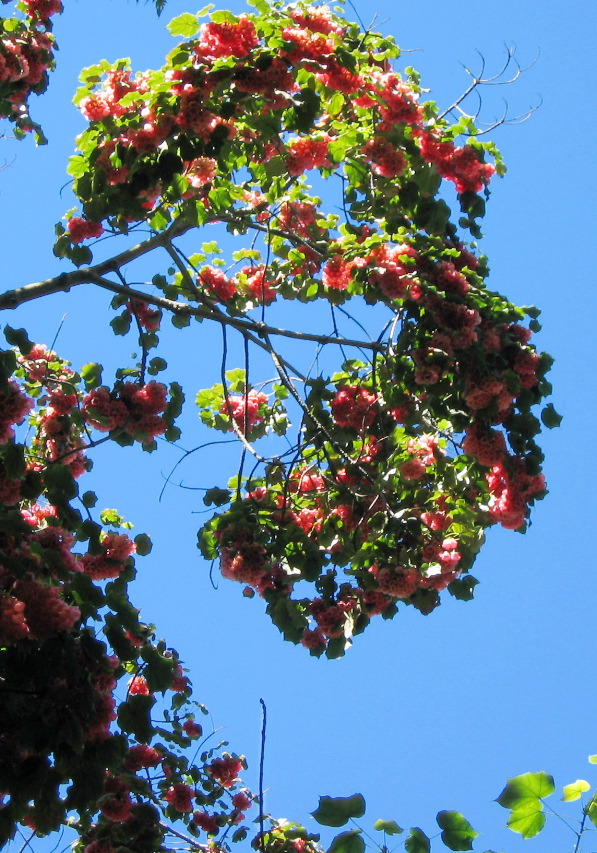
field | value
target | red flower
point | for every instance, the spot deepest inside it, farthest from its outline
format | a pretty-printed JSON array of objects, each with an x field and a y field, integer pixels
[
  {"x": 192, "y": 729},
  {"x": 179, "y": 796},
  {"x": 225, "y": 770},
  {"x": 81, "y": 229}
]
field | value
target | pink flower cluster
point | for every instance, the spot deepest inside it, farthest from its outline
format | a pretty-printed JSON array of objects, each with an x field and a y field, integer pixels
[
  {"x": 307, "y": 152},
  {"x": 460, "y": 164},
  {"x": 134, "y": 409},
  {"x": 82, "y": 229},
  {"x": 148, "y": 318},
  {"x": 247, "y": 410},
  {"x": 14, "y": 408},
  {"x": 387, "y": 160},
  {"x": 34, "y": 610},
  {"x": 511, "y": 488},
  {"x": 354, "y": 406},
  {"x": 225, "y": 770},
  {"x": 116, "y": 549},
  {"x": 25, "y": 57},
  {"x": 229, "y": 38}
]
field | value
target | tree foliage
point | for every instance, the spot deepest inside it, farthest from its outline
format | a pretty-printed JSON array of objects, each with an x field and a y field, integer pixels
[{"x": 361, "y": 487}]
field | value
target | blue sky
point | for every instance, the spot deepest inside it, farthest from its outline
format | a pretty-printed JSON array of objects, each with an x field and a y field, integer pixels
[{"x": 424, "y": 713}]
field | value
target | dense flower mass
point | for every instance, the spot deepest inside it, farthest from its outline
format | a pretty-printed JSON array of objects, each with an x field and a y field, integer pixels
[
  {"x": 61, "y": 681},
  {"x": 363, "y": 486},
  {"x": 401, "y": 461}
]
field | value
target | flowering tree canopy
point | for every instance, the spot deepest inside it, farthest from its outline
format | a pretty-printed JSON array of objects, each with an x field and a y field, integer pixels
[{"x": 362, "y": 487}]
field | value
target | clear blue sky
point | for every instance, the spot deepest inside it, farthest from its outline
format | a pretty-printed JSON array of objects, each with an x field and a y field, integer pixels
[{"x": 424, "y": 713}]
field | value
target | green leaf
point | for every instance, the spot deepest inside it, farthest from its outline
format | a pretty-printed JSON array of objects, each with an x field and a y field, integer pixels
[
  {"x": 550, "y": 417},
  {"x": 592, "y": 759},
  {"x": 347, "y": 842},
  {"x": 336, "y": 811},
  {"x": 591, "y": 809},
  {"x": 217, "y": 497},
  {"x": 18, "y": 338},
  {"x": 80, "y": 255},
  {"x": 417, "y": 841},
  {"x": 134, "y": 717},
  {"x": 92, "y": 375},
  {"x": 463, "y": 588},
  {"x": 527, "y": 822},
  {"x": 156, "y": 365},
  {"x": 574, "y": 790},
  {"x": 60, "y": 484},
  {"x": 185, "y": 25},
  {"x": 306, "y": 108},
  {"x": 179, "y": 321},
  {"x": 89, "y": 499},
  {"x": 122, "y": 323},
  {"x": 390, "y": 827},
  {"x": 526, "y": 788},
  {"x": 144, "y": 544},
  {"x": 159, "y": 670},
  {"x": 457, "y": 833}
]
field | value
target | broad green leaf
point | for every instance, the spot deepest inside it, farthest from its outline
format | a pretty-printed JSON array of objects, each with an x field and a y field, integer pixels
[
  {"x": 417, "y": 841},
  {"x": 527, "y": 822},
  {"x": 390, "y": 827},
  {"x": 574, "y": 790},
  {"x": 185, "y": 25},
  {"x": 592, "y": 759},
  {"x": 524, "y": 788},
  {"x": 336, "y": 811},
  {"x": 347, "y": 842},
  {"x": 457, "y": 833}
]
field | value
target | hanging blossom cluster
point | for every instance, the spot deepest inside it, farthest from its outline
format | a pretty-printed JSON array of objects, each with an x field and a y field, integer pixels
[
  {"x": 26, "y": 57},
  {"x": 400, "y": 470},
  {"x": 89, "y": 704},
  {"x": 400, "y": 460},
  {"x": 383, "y": 512},
  {"x": 400, "y": 463},
  {"x": 247, "y": 93}
]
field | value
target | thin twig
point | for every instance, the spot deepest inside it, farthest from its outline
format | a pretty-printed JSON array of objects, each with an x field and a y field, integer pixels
[{"x": 261, "y": 763}]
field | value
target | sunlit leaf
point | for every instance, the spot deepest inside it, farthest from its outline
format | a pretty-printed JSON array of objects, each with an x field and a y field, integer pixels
[{"x": 457, "y": 832}]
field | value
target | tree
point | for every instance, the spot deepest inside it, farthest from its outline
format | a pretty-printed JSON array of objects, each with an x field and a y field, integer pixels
[{"x": 421, "y": 438}]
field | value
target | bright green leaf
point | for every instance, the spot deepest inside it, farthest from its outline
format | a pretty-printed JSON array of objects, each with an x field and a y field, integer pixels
[
  {"x": 457, "y": 833},
  {"x": 527, "y": 823},
  {"x": 185, "y": 25},
  {"x": 390, "y": 827},
  {"x": 574, "y": 790},
  {"x": 524, "y": 788}
]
